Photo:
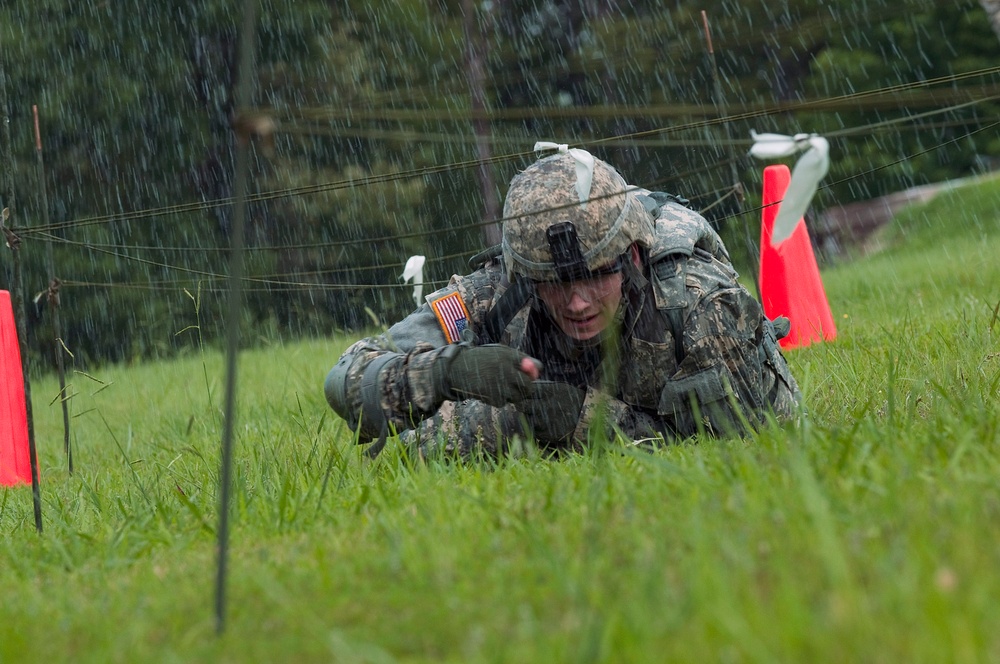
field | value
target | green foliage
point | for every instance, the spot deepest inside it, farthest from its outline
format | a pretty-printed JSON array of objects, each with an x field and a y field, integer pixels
[
  {"x": 373, "y": 135},
  {"x": 865, "y": 532}
]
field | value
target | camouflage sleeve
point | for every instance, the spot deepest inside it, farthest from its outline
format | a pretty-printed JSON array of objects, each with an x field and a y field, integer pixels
[
  {"x": 719, "y": 388},
  {"x": 468, "y": 428},
  {"x": 384, "y": 383},
  {"x": 782, "y": 392},
  {"x": 384, "y": 386},
  {"x": 605, "y": 415},
  {"x": 465, "y": 428}
]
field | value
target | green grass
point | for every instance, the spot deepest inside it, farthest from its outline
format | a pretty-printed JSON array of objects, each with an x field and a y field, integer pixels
[{"x": 870, "y": 533}]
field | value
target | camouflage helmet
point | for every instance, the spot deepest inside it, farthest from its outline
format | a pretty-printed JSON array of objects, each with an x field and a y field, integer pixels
[{"x": 570, "y": 214}]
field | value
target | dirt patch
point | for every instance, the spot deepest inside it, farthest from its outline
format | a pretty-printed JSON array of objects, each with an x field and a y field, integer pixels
[{"x": 852, "y": 228}]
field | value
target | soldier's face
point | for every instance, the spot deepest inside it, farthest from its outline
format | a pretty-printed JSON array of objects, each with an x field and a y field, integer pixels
[{"x": 582, "y": 309}]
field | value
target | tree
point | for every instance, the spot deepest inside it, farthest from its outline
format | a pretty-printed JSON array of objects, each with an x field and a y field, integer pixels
[{"x": 380, "y": 121}]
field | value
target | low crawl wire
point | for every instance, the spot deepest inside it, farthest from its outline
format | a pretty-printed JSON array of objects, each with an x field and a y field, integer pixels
[
  {"x": 278, "y": 284},
  {"x": 378, "y": 179},
  {"x": 367, "y": 240},
  {"x": 420, "y": 234},
  {"x": 851, "y": 131}
]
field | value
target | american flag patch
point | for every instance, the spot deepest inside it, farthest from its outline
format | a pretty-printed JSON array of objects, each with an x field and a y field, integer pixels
[{"x": 452, "y": 314}]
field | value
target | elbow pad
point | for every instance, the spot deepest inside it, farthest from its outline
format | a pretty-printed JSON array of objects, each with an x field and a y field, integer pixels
[
  {"x": 335, "y": 388},
  {"x": 369, "y": 411}
]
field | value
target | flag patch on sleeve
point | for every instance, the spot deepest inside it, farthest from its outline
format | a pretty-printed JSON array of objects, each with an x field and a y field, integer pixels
[{"x": 452, "y": 315}]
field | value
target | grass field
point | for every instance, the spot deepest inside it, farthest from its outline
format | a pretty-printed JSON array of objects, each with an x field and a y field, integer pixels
[{"x": 869, "y": 533}]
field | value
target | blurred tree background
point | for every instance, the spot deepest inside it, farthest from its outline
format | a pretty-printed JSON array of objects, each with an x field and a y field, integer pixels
[{"x": 398, "y": 123}]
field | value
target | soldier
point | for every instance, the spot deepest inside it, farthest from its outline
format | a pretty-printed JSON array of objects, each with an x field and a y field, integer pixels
[{"x": 606, "y": 309}]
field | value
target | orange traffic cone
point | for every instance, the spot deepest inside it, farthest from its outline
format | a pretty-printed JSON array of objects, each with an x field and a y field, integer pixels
[
  {"x": 789, "y": 278},
  {"x": 15, "y": 465}
]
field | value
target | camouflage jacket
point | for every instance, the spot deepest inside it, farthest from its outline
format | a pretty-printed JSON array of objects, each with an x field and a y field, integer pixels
[{"x": 726, "y": 374}]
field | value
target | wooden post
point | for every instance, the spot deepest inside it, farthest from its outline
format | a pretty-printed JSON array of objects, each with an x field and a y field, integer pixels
[
  {"x": 737, "y": 186},
  {"x": 480, "y": 124}
]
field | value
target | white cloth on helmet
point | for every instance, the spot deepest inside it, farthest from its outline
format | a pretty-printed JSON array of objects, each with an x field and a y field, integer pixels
[{"x": 584, "y": 166}]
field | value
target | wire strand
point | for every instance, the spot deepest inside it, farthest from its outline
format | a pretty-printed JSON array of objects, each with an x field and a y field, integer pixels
[
  {"x": 275, "y": 283},
  {"x": 425, "y": 171}
]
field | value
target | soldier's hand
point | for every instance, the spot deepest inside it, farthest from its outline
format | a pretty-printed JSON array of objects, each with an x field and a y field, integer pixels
[
  {"x": 494, "y": 374},
  {"x": 553, "y": 410}
]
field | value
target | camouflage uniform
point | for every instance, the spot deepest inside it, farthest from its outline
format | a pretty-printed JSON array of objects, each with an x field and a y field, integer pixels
[{"x": 725, "y": 376}]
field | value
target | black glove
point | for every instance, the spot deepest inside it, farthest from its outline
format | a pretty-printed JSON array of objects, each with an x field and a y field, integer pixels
[
  {"x": 491, "y": 374},
  {"x": 553, "y": 410}
]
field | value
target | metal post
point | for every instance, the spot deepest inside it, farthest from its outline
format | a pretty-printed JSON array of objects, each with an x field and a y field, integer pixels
[
  {"x": 53, "y": 296},
  {"x": 243, "y": 89}
]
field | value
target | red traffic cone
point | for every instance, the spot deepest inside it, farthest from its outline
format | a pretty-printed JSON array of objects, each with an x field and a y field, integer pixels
[
  {"x": 15, "y": 465},
  {"x": 790, "y": 285}
]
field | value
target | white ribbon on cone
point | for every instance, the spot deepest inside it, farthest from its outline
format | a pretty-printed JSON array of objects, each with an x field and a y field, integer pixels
[
  {"x": 808, "y": 171},
  {"x": 414, "y": 269}
]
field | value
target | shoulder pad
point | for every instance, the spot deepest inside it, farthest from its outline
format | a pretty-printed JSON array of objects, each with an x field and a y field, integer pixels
[
  {"x": 681, "y": 230},
  {"x": 654, "y": 200}
]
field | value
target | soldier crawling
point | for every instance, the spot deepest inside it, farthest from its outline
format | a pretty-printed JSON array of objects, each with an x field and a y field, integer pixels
[{"x": 607, "y": 309}]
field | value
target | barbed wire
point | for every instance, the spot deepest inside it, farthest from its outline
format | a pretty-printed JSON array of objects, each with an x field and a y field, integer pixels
[
  {"x": 293, "y": 280},
  {"x": 276, "y": 283},
  {"x": 367, "y": 240},
  {"x": 846, "y": 132},
  {"x": 370, "y": 180}
]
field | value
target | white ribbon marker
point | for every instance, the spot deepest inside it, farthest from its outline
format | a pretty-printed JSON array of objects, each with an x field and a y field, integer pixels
[
  {"x": 808, "y": 171},
  {"x": 584, "y": 166},
  {"x": 414, "y": 269}
]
